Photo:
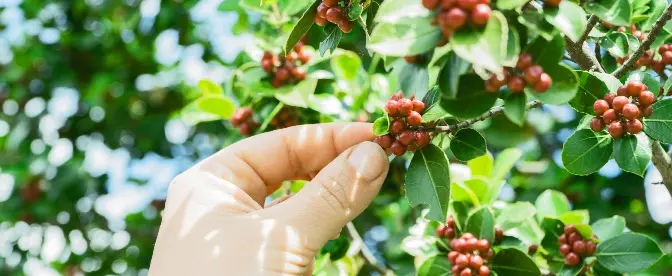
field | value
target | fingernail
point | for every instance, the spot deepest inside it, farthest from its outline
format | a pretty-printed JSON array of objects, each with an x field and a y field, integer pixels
[{"x": 369, "y": 160}]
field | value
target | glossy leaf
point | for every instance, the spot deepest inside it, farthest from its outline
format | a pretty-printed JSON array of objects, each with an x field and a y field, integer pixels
[
  {"x": 297, "y": 95},
  {"x": 404, "y": 40},
  {"x": 468, "y": 144},
  {"x": 591, "y": 88},
  {"x": 219, "y": 105},
  {"x": 575, "y": 217},
  {"x": 428, "y": 181},
  {"x": 381, "y": 126},
  {"x": 514, "y": 214},
  {"x": 633, "y": 153},
  {"x": 551, "y": 203},
  {"x": 302, "y": 26},
  {"x": 207, "y": 87},
  {"x": 553, "y": 229},
  {"x": 616, "y": 12},
  {"x": 413, "y": 79},
  {"x": 482, "y": 165},
  {"x": 658, "y": 125},
  {"x": 608, "y": 228},
  {"x": 437, "y": 265},
  {"x": 585, "y": 151},
  {"x": 483, "y": 48},
  {"x": 569, "y": 18},
  {"x": 331, "y": 39},
  {"x": 449, "y": 76},
  {"x": 513, "y": 262},
  {"x": 472, "y": 100},
  {"x": 628, "y": 252},
  {"x": 401, "y": 12},
  {"x": 546, "y": 52},
  {"x": 482, "y": 224},
  {"x": 515, "y": 108},
  {"x": 346, "y": 65}
]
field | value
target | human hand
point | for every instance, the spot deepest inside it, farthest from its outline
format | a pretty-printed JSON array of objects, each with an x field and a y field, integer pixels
[{"x": 214, "y": 222}]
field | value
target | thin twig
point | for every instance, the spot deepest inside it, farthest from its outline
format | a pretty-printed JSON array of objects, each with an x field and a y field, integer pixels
[
  {"x": 592, "y": 21},
  {"x": 364, "y": 251},
  {"x": 646, "y": 44},
  {"x": 598, "y": 54},
  {"x": 663, "y": 163},
  {"x": 492, "y": 112}
]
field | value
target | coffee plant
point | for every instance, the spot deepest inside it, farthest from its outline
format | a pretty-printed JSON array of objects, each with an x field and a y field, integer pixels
[{"x": 464, "y": 95}]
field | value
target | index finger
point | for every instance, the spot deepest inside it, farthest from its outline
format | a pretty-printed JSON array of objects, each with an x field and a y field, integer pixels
[{"x": 259, "y": 164}]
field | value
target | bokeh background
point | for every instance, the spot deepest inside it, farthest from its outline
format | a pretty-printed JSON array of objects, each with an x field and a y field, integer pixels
[{"x": 91, "y": 135}]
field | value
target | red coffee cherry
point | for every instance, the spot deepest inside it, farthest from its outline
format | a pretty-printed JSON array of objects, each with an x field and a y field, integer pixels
[
  {"x": 412, "y": 59},
  {"x": 565, "y": 249},
  {"x": 431, "y": 4},
  {"x": 616, "y": 129},
  {"x": 439, "y": 230},
  {"x": 452, "y": 256},
  {"x": 553, "y": 3},
  {"x": 385, "y": 141},
  {"x": 619, "y": 102},
  {"x": 462, "y": 261},
  {"x": 622, "y": 91},
  {"x": 635, "y": 87},
  {"x": 658, "y": 65},
  {"x": 267, "y": 65},
  {"x": 405, "y": 107},
  {"x": 524, "y": 61},
  {"x": 466, "y": 272},
  {"x": 480, "y": 15},
  {"x": 422, "y": 139},
  {"x": 646, "y": 111},
  {"x": 467, "y": 4},
  {"x": 414, "y": 119},
  {"x": 392, "y": 108},
  {"x": 630, "y": 111},
  {"x": 476, "y": 261},
  {"x": 455, "y": 18},
  {"x": 467, "y": 236},
  {"x": 450, "y": 221},
  {"x": 398, "y": 148},
  {"x": 407, "y": 137},
  {"x": 500, "y": 81},
  {"x": 472, "y": 244},
  {"x": 579, "y": 248},
  {"x": 456, "y": 270},
  {"x": 398, "y": 126},
  {"x": 304, "y": 57},
  {"x": 322, "y": 10},
  {"x": 600, "y": 106},
  {"x": 282, "y": 74},
  {"x": 292, "y": 56},
  {"x": 330, "y": 3},
  {"x": 275, "y": 82},
  {"x": 597, "y": 124},
  {"x": 645, "y": 59},
  {"x": 483, "y": 245},
  {"x": 447, "y": 4},
  {"x": 499, "y": 234},
  {"x": 346, "y": 26},
  {"x": 533, "y": 73},
  {"x": 633, "y": 126},
  {"x": 450, "y": 232},
  {"x": 647, "y": 98},
  {"x": 590, "y": 248},
  {"x": 532, "y": 249},
  {"x": 461, "y": 245},
  {"x": 572, "y": 259},
  {"x": 320, "y": 21},
  {"x": 516, "y": 84},
  {"x": 334, "y": 15},
  {"x": 298, "y": 73},
  {"x": 418, "y": 106},
  {"x": 667, "y": 57},
  {"x": 562, "y": 239},
  {"x": 484, "y": 271},
  {"x": 544, "y": 83},
  {"x": 569, "y": 229},
  {"x": 609, "y": 116},
  {"x": 245, "y": 129},
  {"x": 609, "y": 97}
]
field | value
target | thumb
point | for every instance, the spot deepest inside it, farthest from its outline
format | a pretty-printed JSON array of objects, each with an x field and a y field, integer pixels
[{"x": 337, "y": 194}]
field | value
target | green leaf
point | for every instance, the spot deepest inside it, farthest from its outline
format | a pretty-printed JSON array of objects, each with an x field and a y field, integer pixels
[
  {"x": 553, "y": 228},
  {"x": 569, "y": 18},
  {"x": 633, "y": 153},
  {"x": 666, "y": 86},
  {"x": 628, "y": 252},
  {"x": 297, "y": 95},
  {"x": 479, "y": 185},
  {"x": 612, "y": 82},
  {"x": 591, "y": 88},
  {"x": 483, "y": 48},
  {"x": 546, "y": 52},
  {"x": 460, "y": 192},
  {"x": 551, "y": 203},
  {"x": 449, "y": 76},
  {"x": 658, "y": 125},
  {"x": 513, "y": 262},
  {"x": 437, "y": 265},
  {"x": 585, "y": 151},
  {"x": 511, "y": 242},
  {"x": 482, "y": 224},
  {"x": 192, "y": 115},
  {"x": 331, "y": 40},
  {"x": 512, "y": 48},
  {"x": 302, "y": 26},
  {"x": 431, "y": 99},
  {"x": 564, "y": 87},
  {"x": 413, "y": 78},
  {"x": 650, "y": 82},
  {"x": 381, "y": 126},
  {"x": 570, "y": 270},
  {"x": 510, "y": 4},
  {"x": 472, "y": 100},
  {"x": 585, "y": 231},
  {"x": 533, "y": 19},
  {"x": 268, "y": 118},
  {"x": 503, "y": 165},
  {"x": 515, "y": 107},
  {"x": 616, "y": 44},
  {"x": 404, "y": 40},
  {"x": 428, "y": 181},
  {"x": 433, "y": 113},
  {"x": 616, "y": 12},
  {"x": 514, "y": 214},
  {"x": 608, "y": 228},
  {"x": 209, "y": 88},
  {"x": 336, "y": 248},
  {"x": 529, "y": 232},
  {"x": 401, "y": 12},
  {"x": 468, "y": 144},
  {"x": 346, "y": 65},
  {"x": 460, "y": 212},
  {"x": 657, "y": 9},
  {"x": 219, "y": 105},
  {"x": 482, "y": 165},
  {"x": 575, "y": 217}
]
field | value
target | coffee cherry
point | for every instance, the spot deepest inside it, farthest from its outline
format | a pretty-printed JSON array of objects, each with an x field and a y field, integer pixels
[
  {"x": 658, "y": 65},
  {"x": 472, "y": 244},
  {"x": 544, "y": 83},
  {"x": 467, "y": 4},
  {"x": 462, "y": 261},
  {"x": 320, "y": 21},
  {"x": 622, "y": 91},
  {"x": 645, "y": 59},
  {"x": 616, "y": 129},
  {"x": 392, "y": 108},
  {"x": 418, "y": 106},
  {"x": 447, "y": 4},
  {"x": 407, "y": 137},
  {"x": 562, "y": 239},
  {"x": 633, "y": 126},
  {"x": 322, "y": 10},
  {"x": 646, "y": 111},
  {"x": 634, "y": 88},
  {"x": 490, "y": 88},
  {"x": 431, "y": 4},
  {"x": 405, "y": 106},
  {"x": 414, "y": 119},
  {"x": 609, "y": 116},
  {"x": 398, "y": 148},
  {"x": 298, "y": 73},
  {"x": 619, "y": 102},
  {"x": 667, "y": 57},
  {"x": 455, "y": 18},
  {"x": 412, "y": 59},
  {"x": 275, "y": 82},
  {"x": 398, "y": 126},
  {"x": 533, "y": 73},
  {"x": 282, "y": 74},
  {"x": 516, "y": 84},
  {"x": 422, "y": 139},
  {"x": 440, "y": 229},
  {"x": 647, "y": 98},
  {"x": 466, "y": 272},
  {"x": 572, "y": 259},
  {"x": 330, "y": 3},
  {"x": 456, "y": 270},
  {"x": 484, "y": 271},
  {"x": 267, "y": 65},
  {"x": 346, "y": 26},
  {"x": 450, "y": 232},
  {"x": 476, "y": 261},
  {"x": 600, "y": 106},
  {"x": 385, "y": 141},
  {"x": 597, "y": 124},
  {"x": 499, "y": 234},
  {"x": 524, "y": 61},
  {"x": 452, "y": 256},
  {"x": 480, "y": 15},
  {"x": 467, "y": 236},
  {"x": 630, "y": 111},
  {"x": 335, "y": 15},
  {"x": 553, "y": 3},
  {"x": 609, "y": 97},
  {"x": 532, "y": 249},
  {"x": 569, "y": 229},
  {"x": 590, "y": 248},
  {"x": 565, "y": 249},
  {"x": 450, "y": 222},
  {"x": 245, "y": 129},
  {"x": 579, "y": 248},
  {"x": 483, "y": 245},
  {"x": 499, "y": 81},
  {"x": 461, "y": 245}
]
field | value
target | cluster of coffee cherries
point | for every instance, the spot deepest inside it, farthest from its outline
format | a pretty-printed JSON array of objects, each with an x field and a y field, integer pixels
[
  {"x": 636, "y": 33},
  {"x": 284, "y": 119},
  {"x": 286, "y": 69},
  {"x": 454, "y": 14},
  {"x": 448, "y": 230},
  {"x": 329, "y": 10},
  {"x": 406, "y": 119},
  {"x": 244, "y": 121},
  {"x": 553, "y": 3},
  {"x": 525, "y": 73},
  {"x": 624, "y": 110},
  {"x": 574, "y": 247},
  {"x": 469, "y": 255}
]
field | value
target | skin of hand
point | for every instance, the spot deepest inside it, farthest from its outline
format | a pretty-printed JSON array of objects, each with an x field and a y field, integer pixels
[{"x": 214, "y": 222}]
